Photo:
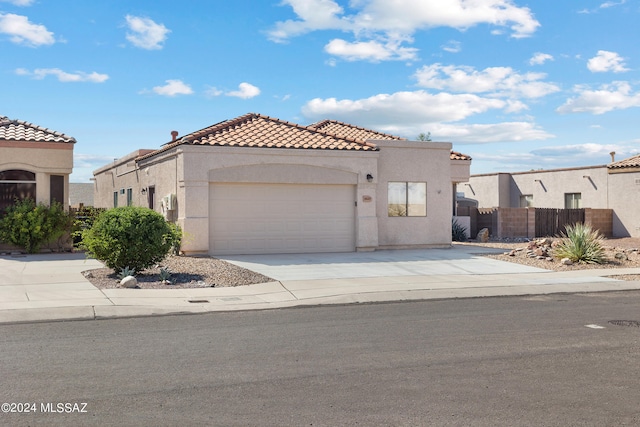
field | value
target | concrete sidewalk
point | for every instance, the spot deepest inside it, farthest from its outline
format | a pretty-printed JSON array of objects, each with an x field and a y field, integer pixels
[{"x": 51, "y": 287}]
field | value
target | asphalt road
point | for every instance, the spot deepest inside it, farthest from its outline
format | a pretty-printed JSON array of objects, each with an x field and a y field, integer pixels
[{"x": 540, "y": 361}]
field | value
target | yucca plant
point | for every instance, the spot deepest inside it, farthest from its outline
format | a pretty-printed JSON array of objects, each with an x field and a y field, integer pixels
[
  {"x": 580, "y": 243},
  {"x": 458, "y": 232}
]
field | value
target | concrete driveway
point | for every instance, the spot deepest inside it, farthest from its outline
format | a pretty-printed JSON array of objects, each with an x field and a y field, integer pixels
[{"x": 457, "y": 260}]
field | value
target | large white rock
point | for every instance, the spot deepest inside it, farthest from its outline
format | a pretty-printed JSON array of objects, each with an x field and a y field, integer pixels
[{"x": 129, "y": 282}]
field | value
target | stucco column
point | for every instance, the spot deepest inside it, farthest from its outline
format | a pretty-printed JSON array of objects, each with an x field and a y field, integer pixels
[
  {"x": 194, "y": 216},
  {"x": 366, "y": 219}
]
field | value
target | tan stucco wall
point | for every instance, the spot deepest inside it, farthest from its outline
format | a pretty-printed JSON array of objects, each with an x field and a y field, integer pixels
[
  {"x": 415, "y": 161},
  {"x": 624, "y": 199},
  {"x": 42, "y": 158},
  {"x": 188, "y": 171},
  {"x": 547, "y": 187}
]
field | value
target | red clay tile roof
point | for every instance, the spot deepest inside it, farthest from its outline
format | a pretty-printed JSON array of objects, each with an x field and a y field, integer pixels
[
  {"x": 346, "y": 129},
  {"x": 256, "y": 130},
  {"x": 350, "y": 131},
  {"x": 18, "y": 130},
  {"x": 631, "y": 162},
  {"x": 459, "y": 156}
]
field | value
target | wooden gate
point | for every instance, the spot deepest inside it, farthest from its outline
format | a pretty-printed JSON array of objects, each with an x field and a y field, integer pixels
[{"x": 552, "y": 222}]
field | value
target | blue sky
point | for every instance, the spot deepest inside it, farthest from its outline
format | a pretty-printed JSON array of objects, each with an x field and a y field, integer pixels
[{"x": 517, "y": 85}]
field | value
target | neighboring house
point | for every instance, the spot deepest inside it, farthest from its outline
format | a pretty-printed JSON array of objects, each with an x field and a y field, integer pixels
[
  {"x": 35, "y": 163},
  {"x": 615, "y": 186},
  {"x": 256, "y": 184},
  {"x": 80, "y": 194}
]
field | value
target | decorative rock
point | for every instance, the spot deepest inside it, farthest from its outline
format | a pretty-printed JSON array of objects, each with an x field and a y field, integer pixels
[
  {"x": 549, "y": 258},
  {"x": 129, "y": 282},
  {"x": 621, "y": 256},
  {"x": 483, "y": 235},
  {"x": 566, "y": 261}
]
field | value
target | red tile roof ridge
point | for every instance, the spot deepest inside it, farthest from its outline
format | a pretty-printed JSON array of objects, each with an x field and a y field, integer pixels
[
  {"x": 192, "y": 137},
  {"x": 5, "y": 121},
  {"x": 633, "y": 161},
  {"x": 320, "y": 124}
]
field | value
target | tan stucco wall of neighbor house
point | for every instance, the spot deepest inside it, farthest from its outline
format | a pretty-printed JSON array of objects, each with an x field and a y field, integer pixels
[
  {"x": 624, "y": 198},
  {"x": 415, "y": 161},
  {"x": 548, "y": 188},
  {"x": 42, "y": 158}
]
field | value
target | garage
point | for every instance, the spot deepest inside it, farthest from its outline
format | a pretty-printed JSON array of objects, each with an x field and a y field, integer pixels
[{"x": 281, "y": 218}]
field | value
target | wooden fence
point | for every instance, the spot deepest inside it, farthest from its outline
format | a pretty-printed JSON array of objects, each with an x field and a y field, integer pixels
[
  {"x": 535, "y": 222},
  {"x": 552, "y": 222}
]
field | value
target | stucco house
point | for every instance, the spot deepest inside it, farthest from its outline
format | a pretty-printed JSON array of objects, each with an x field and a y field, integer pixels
[
  {"x": 614, "y": 186},
  {"x": 35, "y": 162},
  {"x": 257, "y": 184}
]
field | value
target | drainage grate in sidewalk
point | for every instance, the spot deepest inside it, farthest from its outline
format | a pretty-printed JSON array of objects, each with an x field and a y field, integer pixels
[
  {"x": 634, "y": 323},
  {"x": 198, "y": 301}
]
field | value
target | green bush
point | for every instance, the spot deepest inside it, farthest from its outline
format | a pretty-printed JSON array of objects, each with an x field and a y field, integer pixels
[
  {"x": 30, "y": 225},
  {"x": 581, "y": 244},
  {"x": 458, "y": 232},
  {"x": 133, "y": 237}
]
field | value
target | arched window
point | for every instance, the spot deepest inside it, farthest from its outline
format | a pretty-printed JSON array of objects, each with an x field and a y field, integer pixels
[{"x": 16, "y": 185}]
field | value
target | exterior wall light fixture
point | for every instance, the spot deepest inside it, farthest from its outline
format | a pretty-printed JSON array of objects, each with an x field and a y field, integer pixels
[{"x": 369, "y": 177}]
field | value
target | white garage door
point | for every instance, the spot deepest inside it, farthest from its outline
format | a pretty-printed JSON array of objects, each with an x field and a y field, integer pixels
[{"x": 281, "y": 218}]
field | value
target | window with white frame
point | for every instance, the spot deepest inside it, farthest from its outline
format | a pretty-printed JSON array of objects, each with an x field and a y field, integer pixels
[
  {"x": 407, "y": 199},
  {"x": 572, "y": 200},
  {"x": 129, "y": 196}
]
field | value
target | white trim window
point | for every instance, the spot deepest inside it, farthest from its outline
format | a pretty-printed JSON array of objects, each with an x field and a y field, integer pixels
[
  {"x": 572, "y": 200},
  {"x": 407, "y": 199}
]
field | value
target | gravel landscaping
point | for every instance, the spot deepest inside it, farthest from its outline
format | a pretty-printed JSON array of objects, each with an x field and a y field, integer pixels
[
  {"x": 620, "y": 253},
  {"x": 207, "y": 272},
  {"x": 186, "y": 272}
]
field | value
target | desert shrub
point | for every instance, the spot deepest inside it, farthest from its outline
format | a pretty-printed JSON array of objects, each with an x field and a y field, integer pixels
[
  {"x": 83, "y": 219},
  {"x": 29, "y": 225},
  {"x": 133, "y": 237},
  {"x": 580, "y": 243},
  {"x": 458, "y": 232}
]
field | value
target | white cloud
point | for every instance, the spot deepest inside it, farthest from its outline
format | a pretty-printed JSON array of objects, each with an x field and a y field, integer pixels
[
  {"x": 245, "y": 91},
  {"x": 489, "y": 133},
  {"x": 373, "y": 51},
  {"x": 614, "y": 96},
  {"x": 212, "y": 92},
  {"x": 380, "y": 26},
  {"x": 609, "y": 4},
  {"x": 63, "y": 76},
  {"x": 406, "y": 108},
  {"x": 540, "y": 58},
  {"x": 497, "y": 81},
  {"x": 145, "y": 33},
  {"x": 404, "y": 16},
  {"x": 173, "y": 88},
  {"x": 452, "y": 46},
  {"x": 19, "y": 2},
  {"x": 22, "y": 31},
  {"x": 606, "y": 61}
]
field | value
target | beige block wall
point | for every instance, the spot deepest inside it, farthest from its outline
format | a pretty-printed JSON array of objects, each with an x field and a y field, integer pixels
[{"x": 42, "y": 158}]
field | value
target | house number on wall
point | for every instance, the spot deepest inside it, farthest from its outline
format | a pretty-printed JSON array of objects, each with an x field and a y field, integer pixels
[{"x": 367, "y": 198}]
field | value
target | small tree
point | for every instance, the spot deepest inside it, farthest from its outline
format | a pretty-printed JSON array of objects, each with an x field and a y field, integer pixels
[
  {"x": 424, "y": 137},
  {"x": 30, "y": 225},
  {"x": 131, "y": 236}
]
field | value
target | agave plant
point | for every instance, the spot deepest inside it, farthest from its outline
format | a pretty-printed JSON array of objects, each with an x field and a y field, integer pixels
[
  {"x": 458, "y": 232},
  {"x": 580, "y": 243},
  {"x": 126, "y": 271}
]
